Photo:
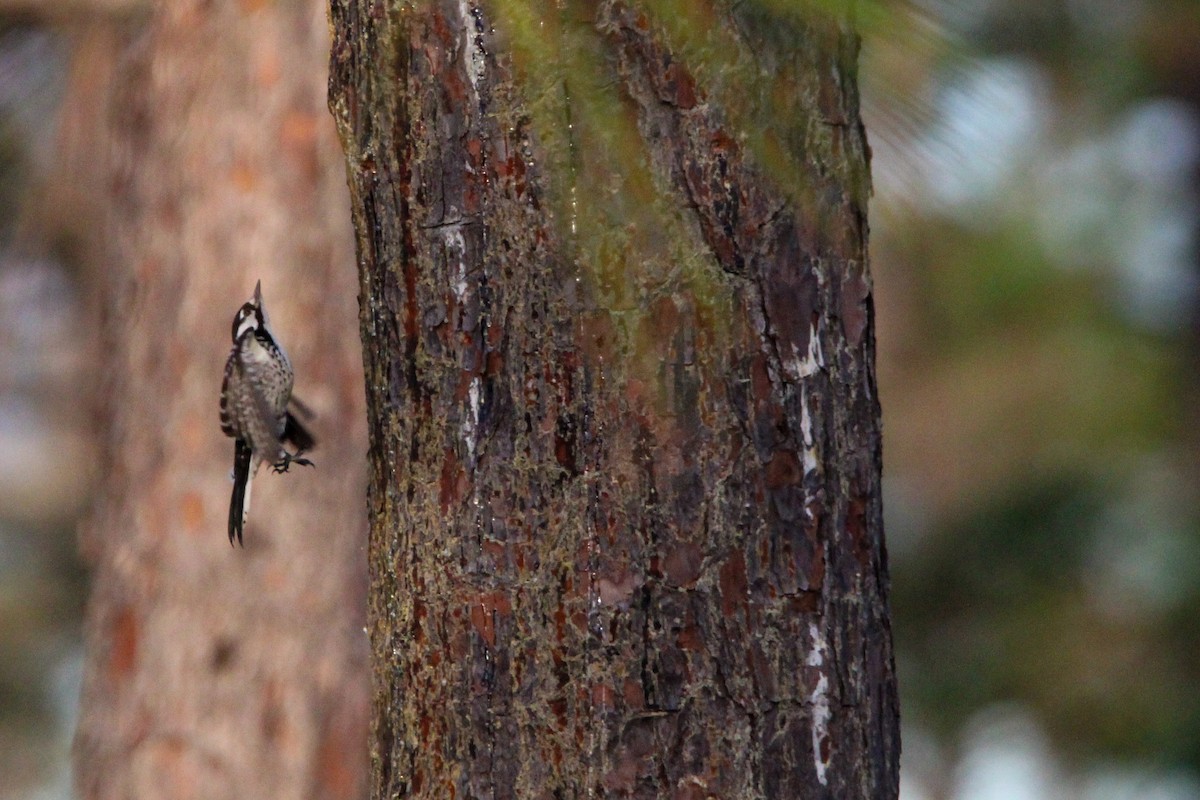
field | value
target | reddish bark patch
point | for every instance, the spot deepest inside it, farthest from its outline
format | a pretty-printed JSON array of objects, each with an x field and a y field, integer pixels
[
  {"x": 857, "y": 526},
  {"x": 337, "y": 751},
  {"x": 807, "y": 602},
  {"x": 681, "y": 567},
  {"x": 494, "y": 365},
  {"x": 603, "y": 696},
  {"x": 453, "y": 480},
  {"x": 560, "y": 623},
  {"x": 462, "y": 390},
  {"x": 244, "y": 177},
  {"x": 854, "y": 304},
  {"x": 494, "y": 550},
  {"x": 484, "y": 611},
  {"x": 733, "y": 583},
  {"x": 816, "y": 568},
  {"x": 484, "y": 624},
  {"x": 420, "y": 612},
  {"x": 615, "y": 590},
  {"x": 664, "y": 319},
  {"x": 298, "y": 132},
  {"x": 680, "y": 87},
  {"x": 471, "y": 199},
  {"x": 690, "y": 638},
  {"x": 558, "y": 707},
  {"x": 191, "y": 509},
  {"x": 194, "y": 431},
  {"x": 690, "y": 790},
  {"x": 760, "y": 379},
  {"x": 125, "y": 634},
  {"x": 783, "y": 470},
  {"x": 635, "y": 695}
]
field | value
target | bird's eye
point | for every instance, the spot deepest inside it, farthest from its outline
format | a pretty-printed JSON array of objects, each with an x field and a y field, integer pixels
[{"x": 245, "y": 319}]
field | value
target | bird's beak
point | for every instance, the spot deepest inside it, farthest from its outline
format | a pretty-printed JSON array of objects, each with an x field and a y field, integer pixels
[{"x": 258, "y": 294}]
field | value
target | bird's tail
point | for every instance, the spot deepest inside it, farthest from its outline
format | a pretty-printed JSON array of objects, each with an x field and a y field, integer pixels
[{"x": 239, "y": 504}]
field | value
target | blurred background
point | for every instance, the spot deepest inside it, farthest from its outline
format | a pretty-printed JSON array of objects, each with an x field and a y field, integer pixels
[{"x": 1037, "y": 176}]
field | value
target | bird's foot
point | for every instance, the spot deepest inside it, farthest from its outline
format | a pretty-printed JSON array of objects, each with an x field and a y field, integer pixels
[{"x": 284, "y": 464}]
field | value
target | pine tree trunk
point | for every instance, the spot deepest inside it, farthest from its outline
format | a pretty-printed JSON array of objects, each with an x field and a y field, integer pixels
[
  {"x": 216, "y": 672},
  {"x": 626, "y": 533}
]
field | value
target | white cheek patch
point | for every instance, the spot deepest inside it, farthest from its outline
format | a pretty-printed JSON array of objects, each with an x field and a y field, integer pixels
[{"x": 248, "y": 323}]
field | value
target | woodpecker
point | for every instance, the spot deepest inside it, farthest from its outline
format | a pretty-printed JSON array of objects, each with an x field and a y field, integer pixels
[{"x": 255, "y": 396}]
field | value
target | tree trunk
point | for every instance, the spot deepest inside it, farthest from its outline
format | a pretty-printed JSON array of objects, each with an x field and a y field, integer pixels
[
  {"x": 626, "y": 533},
  {"x": 217, "y": 672}
]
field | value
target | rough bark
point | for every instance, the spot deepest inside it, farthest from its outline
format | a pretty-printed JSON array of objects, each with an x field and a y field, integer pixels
[
  {"x": 626, "y": 533},
  {"x": 215, "y": 672}
]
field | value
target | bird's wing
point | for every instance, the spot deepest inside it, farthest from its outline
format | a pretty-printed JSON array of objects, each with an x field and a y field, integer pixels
[
  {"x": 297, "y": 434},
  {"x": 231, "y": 367},
  {"x": 302, "y": 408}
]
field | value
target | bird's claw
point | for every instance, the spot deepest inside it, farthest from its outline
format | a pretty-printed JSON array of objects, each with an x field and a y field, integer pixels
[{"x": 285, "y": 463}]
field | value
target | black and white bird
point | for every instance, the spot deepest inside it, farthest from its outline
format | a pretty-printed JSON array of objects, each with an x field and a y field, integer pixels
[{"x": 255, "y": 396}]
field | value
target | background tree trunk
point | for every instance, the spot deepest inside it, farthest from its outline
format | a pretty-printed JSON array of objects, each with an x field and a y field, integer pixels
[
  {"x": 215, "y": 672},
  {"x": 626, "y": 531}
]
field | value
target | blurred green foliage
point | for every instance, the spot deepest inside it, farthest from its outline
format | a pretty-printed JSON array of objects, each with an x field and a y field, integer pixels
[{"x": 1042, "y": 438}]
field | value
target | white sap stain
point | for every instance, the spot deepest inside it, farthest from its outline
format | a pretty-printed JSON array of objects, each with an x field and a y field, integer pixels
[
  {"x": 807, "y": 436},
  {"x": 802, "y": 366},
  {"x": 456, "y": 249},
  {"x": 818, "y": 701},
  {"x": 470, "y": 424},
  {"x": 473, "y": 53}
]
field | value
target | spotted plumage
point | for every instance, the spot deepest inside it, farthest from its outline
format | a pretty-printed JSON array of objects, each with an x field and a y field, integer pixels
[{"x": 255, "y": 395}]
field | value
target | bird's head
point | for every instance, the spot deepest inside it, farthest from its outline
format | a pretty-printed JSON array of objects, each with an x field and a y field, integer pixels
[{"x": 252, "y": 316}]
